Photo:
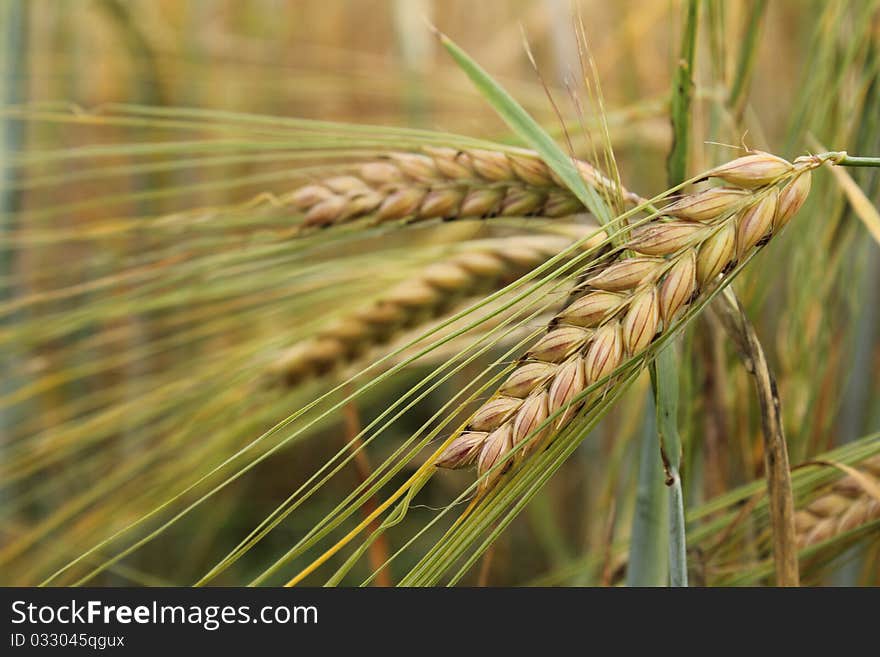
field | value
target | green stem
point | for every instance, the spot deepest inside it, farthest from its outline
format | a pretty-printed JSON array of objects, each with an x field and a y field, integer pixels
[
  {"x": 854, "y": 161},
  {"x": 648, "y": 539},
  {"x": 664, "y": 370},
  {"x": 678, "y": 575},
  {"x": 746, "y": 62},
  {"x": 682, "y": 93},
  {"x": 664, "y": 377}
]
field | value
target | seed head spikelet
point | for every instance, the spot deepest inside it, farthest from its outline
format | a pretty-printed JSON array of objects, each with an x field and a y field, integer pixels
[
  {"x": 667, "y": 265},
  {"x": 753, "y": 170}
]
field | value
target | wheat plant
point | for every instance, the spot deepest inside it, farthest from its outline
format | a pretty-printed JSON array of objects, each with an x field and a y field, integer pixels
[{"x": 256, "y": 318}]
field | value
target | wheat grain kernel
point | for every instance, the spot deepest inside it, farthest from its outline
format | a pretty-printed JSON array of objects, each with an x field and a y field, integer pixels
[
  {"x": 591, "y": 309},
  {"x": 716, "y": 253},
  {"x": 678, "y": 286},
  {"x": 626, "y": 274},
  {"x": 755, "y": 222},
  {"x": 641, "y": 321},
  {"x": 534, "y": 411},
  {"x": 605, "y": 352},
  {"x": 559, "y": 344},
  {"x": 526, "y": 378},
  {"x": 494, "y": 412},
  {"x": 666, "y": 238},
  {"x": 708, "y": 204},
  {"x": 462, "y": 451},
  {"x": 791, "y": 198},
  {"x": 498, "y": 444},
  {"x": 753, "y": 170},
  {"x": 568, "y": 383}
]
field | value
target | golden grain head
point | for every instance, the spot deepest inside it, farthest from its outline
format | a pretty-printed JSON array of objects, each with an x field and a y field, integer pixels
[
  {"x": 309, "y": 195},
  {"x": 623, "y": 306},
  {"x": 413, "y": 294},
  {"x": 426, "y": 295}
]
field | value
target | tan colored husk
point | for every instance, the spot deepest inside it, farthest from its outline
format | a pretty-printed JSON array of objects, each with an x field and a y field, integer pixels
[
  {"x": 707, "y": 205},
  {"x": 642, "y": 320},
  {"x": 535, "y": 409},
  {"x": 621, "y": 309},
  {"x": 625, "y": 274},
  {"x": 716, "y": 253},
  {"x": 678, "y": 286},
  {"x": 753, "y": 170},
  {"x": 446, "y": 183},
  {"x": 791, "y": 198},
  {"x": 496, "y": 446},
  {"x": 591, "y": 308},
  {"x": 666, "y": 238},
  {"x": 464, "y": 451},
  {"x": 755, "y": 223}
]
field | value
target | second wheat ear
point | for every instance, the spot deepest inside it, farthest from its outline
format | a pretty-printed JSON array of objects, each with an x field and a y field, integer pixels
[
  {"x": 621, "y": 310},
  {"x": 445, "y": 183},
  {"x": 485, "y": 266}
]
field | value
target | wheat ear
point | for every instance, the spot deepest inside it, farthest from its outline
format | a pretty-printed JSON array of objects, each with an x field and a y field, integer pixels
[
  {"x": 844, "y": 507},
  {"x": 485, "y": 267},
  {"x": 623, "y": 307},
  {"x": 445, "y": 183}
]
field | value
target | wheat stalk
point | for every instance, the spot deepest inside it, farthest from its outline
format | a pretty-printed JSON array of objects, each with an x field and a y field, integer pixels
[
  {"x": 844, "y": 507},
  {"x": 622, "y": 308},
  {"x": 445, "y": 183},
  {"x": 431, "y": 293}
]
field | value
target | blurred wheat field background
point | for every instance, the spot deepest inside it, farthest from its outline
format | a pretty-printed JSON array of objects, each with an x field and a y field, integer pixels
[{"x": 188, "y": 393}]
